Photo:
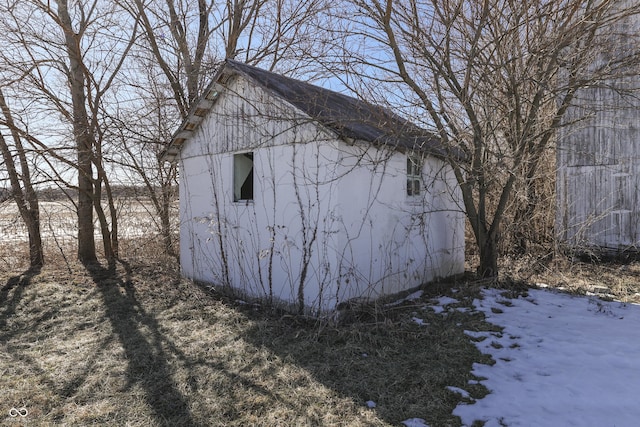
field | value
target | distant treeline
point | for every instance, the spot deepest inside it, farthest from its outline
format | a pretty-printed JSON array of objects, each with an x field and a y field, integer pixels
[{"x": 56, "y": 194}]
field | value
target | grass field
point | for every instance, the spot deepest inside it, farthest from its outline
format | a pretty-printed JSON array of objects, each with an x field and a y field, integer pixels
[
  {"x": 137, "y": 224},
  {"x": 137, "y": 345}
]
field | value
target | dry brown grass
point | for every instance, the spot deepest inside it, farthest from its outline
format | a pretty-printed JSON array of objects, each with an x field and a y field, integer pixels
[
  {"x": 138, "y": 346},
  {"x": 611, "y": 280}
]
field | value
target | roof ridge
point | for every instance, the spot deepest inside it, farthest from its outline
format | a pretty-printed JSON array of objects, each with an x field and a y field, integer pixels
[
  {"x": 350, "y": 118},
  {"x": 238, "y": 66}
]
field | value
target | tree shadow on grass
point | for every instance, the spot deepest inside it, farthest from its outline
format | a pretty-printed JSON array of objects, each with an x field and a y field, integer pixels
[
  {"x": 148, "y": 366},
  {"x": 403, "y": 359},
  {"x": 11, "y": 294}
]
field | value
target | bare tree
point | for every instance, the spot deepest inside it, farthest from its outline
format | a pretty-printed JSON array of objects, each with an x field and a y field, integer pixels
[
  {"x": 140, "y": 137},
  {"x": 178, "y": 40},
  {"x": 493, "y": 78},
  {"x": 87, "y": 91},
  {"x": 188, "y": 39},
  {"x": 67, "y": 56},
  {"x": 82, "y": 129},
  {"x": 184, "y": 41},
  {"x": 22, "y": 190}
]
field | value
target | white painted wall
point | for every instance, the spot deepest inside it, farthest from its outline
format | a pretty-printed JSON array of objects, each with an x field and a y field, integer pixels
[
  {"x": 334, "y": 213},
  {"x": 395, "y": 242}
]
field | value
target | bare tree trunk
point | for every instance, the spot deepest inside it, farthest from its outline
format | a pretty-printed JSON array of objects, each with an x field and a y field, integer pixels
[
  {"x": 26, "y": 199},
  {"x": 165, "y": 215},
  {"x": 27, "y": 206},
  {"x": 83, "y": 138},
  {"x": 104, "y": 225},
  {"x": 488, "y": 267},
  {"x": 109, "y": 234}
]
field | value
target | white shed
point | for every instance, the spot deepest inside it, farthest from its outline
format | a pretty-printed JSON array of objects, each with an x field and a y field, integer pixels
[{"x": 300, "y": 195}]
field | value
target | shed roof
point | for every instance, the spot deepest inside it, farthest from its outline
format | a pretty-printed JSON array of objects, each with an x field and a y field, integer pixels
[{"x": 348, "y": 117}]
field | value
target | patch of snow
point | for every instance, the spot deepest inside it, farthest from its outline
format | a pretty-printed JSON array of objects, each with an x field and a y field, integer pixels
[
  {"x": 441, "y": 303},
  {"x": 437, "y": 309},
  {"x": 414, "y": 296},
  {"x": 457, "y": 390},
  {"x": 419, "y": 321},
  {"x": 561, "y": 360},
  {"x": 415, "y": 422},
  {"x": 446, "y": 301},
  {"x": 608, "y": 308},
  {"x": 411, "y": 297},
  {"x": 371, "y": 404}
]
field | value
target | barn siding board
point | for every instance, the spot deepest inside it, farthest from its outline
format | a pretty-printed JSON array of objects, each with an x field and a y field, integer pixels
[
  {"x": 598, "y": 176},
  {"x": 598, "y": 155}
]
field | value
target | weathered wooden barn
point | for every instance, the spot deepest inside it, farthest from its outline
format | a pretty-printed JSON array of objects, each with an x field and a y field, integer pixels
[
  {"x": 598, "y": 178},
  {"x": 598, "y": 152},
  {"x": 296, "y": 194}
]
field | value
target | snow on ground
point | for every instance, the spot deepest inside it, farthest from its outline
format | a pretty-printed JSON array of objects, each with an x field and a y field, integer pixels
[
  {"x": 409, "y": 298},
  {"x": 561, "y": 360},
  {"x": 441, "y": 303},
  {"x": 414, "y": 422},
  {"x": 444, "y": 301}
]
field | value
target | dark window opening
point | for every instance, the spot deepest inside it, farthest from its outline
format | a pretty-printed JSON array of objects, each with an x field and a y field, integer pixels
[
  {"x": 414, "y": 175},
  {"x": 243, "y": 177}
]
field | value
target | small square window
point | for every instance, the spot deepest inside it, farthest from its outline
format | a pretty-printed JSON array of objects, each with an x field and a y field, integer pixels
[
  {"x": 414, "y": 175},
  {"x": 242, "y": 177}
]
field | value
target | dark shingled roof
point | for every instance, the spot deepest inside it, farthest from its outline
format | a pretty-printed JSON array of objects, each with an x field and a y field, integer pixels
[{"x": 348, "y": 117}]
